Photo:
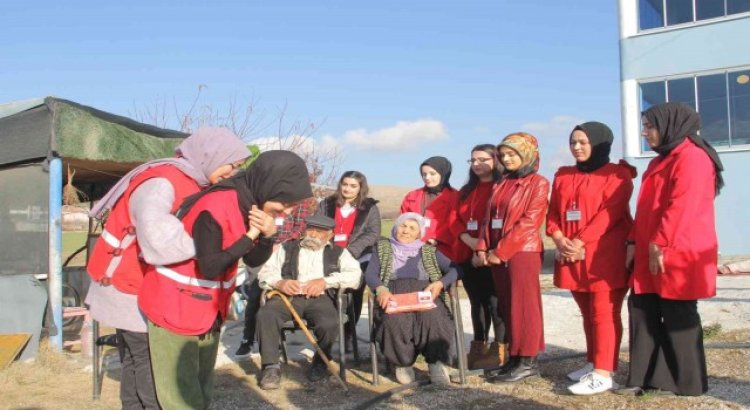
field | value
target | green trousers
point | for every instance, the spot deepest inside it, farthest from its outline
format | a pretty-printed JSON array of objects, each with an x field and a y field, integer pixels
[{"x": 183, "y": 367}]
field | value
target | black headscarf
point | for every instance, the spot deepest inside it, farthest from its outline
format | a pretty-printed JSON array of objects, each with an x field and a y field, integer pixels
[
  {"x": 444, "y": 168},
  {"x": 601, "y": 138},
  {"x": 676, "y": 121},
  {"x": 274, "y": 176}
]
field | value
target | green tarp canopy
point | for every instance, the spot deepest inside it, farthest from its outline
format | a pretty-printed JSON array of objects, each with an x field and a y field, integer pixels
[{"x": 100, "y": 147}]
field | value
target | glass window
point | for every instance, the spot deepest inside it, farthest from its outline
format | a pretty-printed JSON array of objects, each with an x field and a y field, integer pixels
[
  {"x": 682, "y": 90},
  {"x": 652, "y": 94},
  {"x": 712, "y": 106},
  {"x": 737, "y": 6},
  {"x": 651, "y": 14},
  {"x": 739, "y": 106},
  {"x": 708, "y": 9},
  {"x": 679, "y": 11}
]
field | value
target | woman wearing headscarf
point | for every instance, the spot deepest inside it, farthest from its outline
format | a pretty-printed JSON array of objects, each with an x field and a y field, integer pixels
[
  {"x": 470, "y": 210},
  {"x": 186, "y": 303},
  {"x": 589, "y": 220},
  {"x": 405, "y": 264},
  {"x": 511, "y": 245},
  {"x": 434, "y": 201},
  {"x": 141, "y": 230},
  {"x": 674, "y": 244},
  {"x": 357, "y": 229}
]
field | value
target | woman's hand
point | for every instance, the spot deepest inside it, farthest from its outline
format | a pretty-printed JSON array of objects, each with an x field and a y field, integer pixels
[
  {"x": 655, "y": 259},
  {"x": 262, "y": 221},
  {"x": 383, "y": 298},
  {"x": 479, "y": 259},
  {"x": 492, "y": 259},
  {"x": 629, "y": 257},
  {"x": 435, "y": 288}
]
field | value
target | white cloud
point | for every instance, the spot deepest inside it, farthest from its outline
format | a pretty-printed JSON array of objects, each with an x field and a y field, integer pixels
[
  {"x": 303, "y": 145},
  {"x": 404, "y": 135},
  {"x": 558, "y": 126}
]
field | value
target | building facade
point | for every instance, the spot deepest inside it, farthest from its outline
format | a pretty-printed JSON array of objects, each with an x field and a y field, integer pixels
[{"x": 693, "y": 51}]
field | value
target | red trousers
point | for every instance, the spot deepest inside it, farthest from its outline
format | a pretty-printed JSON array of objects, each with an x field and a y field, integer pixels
[
  {"x": 519, "y": 300},
  {"x": 602, "y": 325}
]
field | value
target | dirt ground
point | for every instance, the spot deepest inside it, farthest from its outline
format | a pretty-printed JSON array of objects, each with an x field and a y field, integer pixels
[{"x": 61, "y": 381}]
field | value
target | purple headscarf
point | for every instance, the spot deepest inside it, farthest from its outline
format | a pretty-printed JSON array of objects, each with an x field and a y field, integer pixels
[
  {"x": 403, "y": 251},
  {"x": 198, "y": 156}
]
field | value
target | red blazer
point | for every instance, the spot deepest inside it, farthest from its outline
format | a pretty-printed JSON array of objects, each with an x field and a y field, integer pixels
[
  {"x": 522, "y": 220},
  {"x": 603, "y": 198},
  {"x": 474, "y": 207},
  {"x": 675, "y": 210},
  {"x": 440, "y": 213}
]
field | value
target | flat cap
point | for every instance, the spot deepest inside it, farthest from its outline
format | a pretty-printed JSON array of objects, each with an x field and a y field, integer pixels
[{"x": 320, "y": 221}]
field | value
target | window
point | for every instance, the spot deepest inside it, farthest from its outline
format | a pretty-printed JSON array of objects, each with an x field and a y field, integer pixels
[
  {"x": 708, "y": 9},
  {"x": 660, "y": 13},
  {"x": 738, "y": 6},
  {"x": 739, "y": 107},
  {"x": 651, "y": 14},
  {"x": 721, "y": 99},
  {"x": 682, "y": 90},
  {"x": 679, "y": 11},
  {"x": 712, "y": 104}
]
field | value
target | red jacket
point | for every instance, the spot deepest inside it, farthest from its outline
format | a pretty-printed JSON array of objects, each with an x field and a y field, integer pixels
[
  {"x": 115, "y": 256},
  {"x": 675, "y": 210},
  {"x": 439, "y": 214},
  {"x": 177, "y": 297},
  {"x": 522, "y": 220},
  {"x": 602, "y": 197},
  {"x": 472, "y": 210}
]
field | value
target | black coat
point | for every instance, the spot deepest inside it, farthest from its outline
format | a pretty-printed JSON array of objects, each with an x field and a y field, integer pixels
[{"x": 366, "y": 225}]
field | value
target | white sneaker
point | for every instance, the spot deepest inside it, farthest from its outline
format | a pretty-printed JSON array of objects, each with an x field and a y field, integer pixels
[
  {"x": 593, "y": 383},
  {"x": 438, "y": 374},
  {"x": 576, "y": 375},
  {"x": 405, "y": 375}
]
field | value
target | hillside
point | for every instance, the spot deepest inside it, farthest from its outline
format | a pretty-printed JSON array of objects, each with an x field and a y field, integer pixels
[{"x": 390, "y": 199}]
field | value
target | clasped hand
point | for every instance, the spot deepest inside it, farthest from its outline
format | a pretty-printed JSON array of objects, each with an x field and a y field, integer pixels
[
  {"x": 385, "y": 296},
  {"x": 260, "y": 223},
  {"x": 311, "y": 289}
]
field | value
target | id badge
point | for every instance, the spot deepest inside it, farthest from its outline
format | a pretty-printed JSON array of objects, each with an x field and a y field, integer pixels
[
  {"x": 427, "y": 222},
  {"x": 472, "y": 225},
  {"x": 497, "y": 223},
  {"x": 279, "y": 221},
  {"x": 573, "y": 215},
  {"x": 341, "y": 237}
]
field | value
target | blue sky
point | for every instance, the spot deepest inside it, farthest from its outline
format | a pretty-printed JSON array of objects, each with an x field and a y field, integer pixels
[{"x": 390, "y": 83}]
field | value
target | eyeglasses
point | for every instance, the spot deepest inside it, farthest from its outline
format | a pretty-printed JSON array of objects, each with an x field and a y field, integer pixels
[{"x": 478, "y": 160}]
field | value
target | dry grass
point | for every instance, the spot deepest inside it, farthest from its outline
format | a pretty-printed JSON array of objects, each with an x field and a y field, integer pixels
[{"x": 59, "y": 381}]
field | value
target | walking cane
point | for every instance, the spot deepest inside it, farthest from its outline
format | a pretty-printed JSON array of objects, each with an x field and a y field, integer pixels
[{"x": 309, "y": 335}]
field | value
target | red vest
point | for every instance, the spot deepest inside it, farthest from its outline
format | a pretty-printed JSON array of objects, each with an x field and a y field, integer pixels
[
  {"x": 115, "y": 259},
  {"x": 177, "y": 297}
]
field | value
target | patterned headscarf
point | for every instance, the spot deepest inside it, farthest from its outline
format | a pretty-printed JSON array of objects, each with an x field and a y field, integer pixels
[{"x": 527, "y": 148}]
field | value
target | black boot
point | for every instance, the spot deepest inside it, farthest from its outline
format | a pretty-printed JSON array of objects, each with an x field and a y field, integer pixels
[
  {"x": 509, "y": 365},
  {"x": 526, "y": 367}
]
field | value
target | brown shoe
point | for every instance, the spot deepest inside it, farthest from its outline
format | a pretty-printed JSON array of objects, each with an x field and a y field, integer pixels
[
  {"x": 477, "y": 352},
  {"x": 493, "y": 358}
]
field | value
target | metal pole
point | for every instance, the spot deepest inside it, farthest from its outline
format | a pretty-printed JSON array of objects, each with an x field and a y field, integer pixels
[{"x": 55, "y": 277}]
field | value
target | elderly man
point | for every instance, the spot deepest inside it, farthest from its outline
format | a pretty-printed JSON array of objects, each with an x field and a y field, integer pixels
[{"x": 304, "y": 270}]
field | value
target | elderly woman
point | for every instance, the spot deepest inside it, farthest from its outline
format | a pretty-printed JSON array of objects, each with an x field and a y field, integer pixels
[
  {"x": 675, "y": 248},
  {"x": 589, "y": 220},
  {"x": 405, "y": 264},
  {"x": 510, "y": 243}
]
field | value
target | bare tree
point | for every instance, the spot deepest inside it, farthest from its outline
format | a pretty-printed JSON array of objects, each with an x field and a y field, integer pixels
[{"x": 252, "y": 125}]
